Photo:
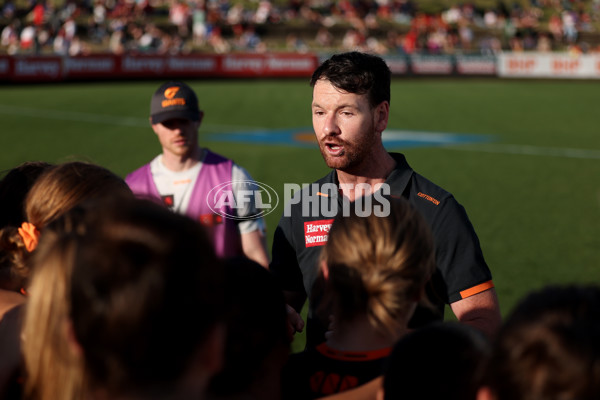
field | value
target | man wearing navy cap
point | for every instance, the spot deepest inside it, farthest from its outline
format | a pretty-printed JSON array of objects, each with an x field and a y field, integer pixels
[{"x": 183, "y": 175}]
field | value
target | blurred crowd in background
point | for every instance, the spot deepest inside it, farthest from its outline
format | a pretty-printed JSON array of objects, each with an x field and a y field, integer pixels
[{"x": 385, "y": 27}]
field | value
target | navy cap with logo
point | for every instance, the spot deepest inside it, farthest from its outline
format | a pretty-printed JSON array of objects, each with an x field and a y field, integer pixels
[{"x": 174, "y": 100}]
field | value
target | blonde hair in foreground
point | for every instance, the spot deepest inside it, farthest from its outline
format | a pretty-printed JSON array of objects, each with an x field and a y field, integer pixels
[
  {"x": 378, "y": 266},
  {"x": 59, "y": 189},
  {"x": 66, "y": 185},
  {"x": 54, "y": 370}
]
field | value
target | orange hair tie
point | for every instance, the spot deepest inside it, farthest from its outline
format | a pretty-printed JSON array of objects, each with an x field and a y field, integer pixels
[{"x": 30, "y": 235}]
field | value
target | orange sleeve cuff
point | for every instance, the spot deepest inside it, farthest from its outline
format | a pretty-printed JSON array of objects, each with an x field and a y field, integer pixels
[{"x": 476, "y": 289}]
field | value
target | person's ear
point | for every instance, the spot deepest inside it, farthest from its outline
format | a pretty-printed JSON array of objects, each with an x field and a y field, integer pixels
[
  {"x": 485, "y": 393},
  {"x": 208, "y": 360},
  {"x": 212, "y": 353},
  {"x": 325, "y": 270},
  {"x": 382, "y": 114},
  {"x": 153, "y": 126},
  {"x": 71, "y": 339}
]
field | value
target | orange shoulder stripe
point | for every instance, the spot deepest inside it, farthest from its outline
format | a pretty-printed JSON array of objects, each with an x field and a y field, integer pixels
[{"x": 476, "y": 289}]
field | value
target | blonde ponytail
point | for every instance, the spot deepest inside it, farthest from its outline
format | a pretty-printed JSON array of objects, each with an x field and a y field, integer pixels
[{"x": 378, "y": 265}]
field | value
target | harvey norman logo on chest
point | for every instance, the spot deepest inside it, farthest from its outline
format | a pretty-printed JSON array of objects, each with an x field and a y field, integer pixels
[{"x": 316, "y": 232}]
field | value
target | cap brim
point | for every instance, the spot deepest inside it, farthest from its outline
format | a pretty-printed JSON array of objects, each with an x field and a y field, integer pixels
[{"x": 175, "y": 114}]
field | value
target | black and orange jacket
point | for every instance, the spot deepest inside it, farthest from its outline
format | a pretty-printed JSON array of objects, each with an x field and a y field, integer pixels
[
  {"x": 323, "y": 371},
  {"x": 461, "y": 269}
]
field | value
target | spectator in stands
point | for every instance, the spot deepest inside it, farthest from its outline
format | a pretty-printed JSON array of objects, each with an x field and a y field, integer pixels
[
  {"x": 168, "y": 339},
  {"x": 199, "y": 26},
  {"x": 373, "y": 271},
  {"x": 361, "y": 16},
  {"x": 548, "y": 348},
  {"x": 569, "y": 26},
  {"x": 450, "y": 354},
  {"x": 217, "y": 42},
  {"x": 27, "y": 39},
  {"x": 10, "y": 38},
  {"x": 180, "y": 16},
  {"x": 324, "y": 38},
  {"x": 544, "y": 45}
]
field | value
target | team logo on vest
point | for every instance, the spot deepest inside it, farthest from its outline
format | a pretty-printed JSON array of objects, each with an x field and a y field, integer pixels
[
  {"x": 210, "y": 219},
  {"x": 168, "y": 200},
  {"x": 242, "y": 200},
  {"x": 317, "y": 232}
]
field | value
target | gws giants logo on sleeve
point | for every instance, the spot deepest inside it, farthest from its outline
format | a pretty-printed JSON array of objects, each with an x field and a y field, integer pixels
[
  {"x": 316, "y": 232},
  {"x": 170, "y": 101}
]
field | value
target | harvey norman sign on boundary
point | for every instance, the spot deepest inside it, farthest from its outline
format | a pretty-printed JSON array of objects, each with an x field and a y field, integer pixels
[{"x": 36, "y": 68}]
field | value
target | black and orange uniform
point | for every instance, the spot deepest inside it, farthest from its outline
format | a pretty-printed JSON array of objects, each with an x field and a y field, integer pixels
[
  {"x": 461, "y": 270},
  {"x": 322, "y": 371}
]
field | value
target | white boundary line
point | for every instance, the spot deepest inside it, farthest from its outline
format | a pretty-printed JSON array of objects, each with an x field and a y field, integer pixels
[
  {"x": 63, "y": 115},
  {"x": 72, "y": 116},
  {"x": 529, "y": 150},
  {"x": 142, "y": 122}
]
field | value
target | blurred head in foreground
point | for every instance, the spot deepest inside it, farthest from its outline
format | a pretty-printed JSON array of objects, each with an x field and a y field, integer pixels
[
  {"x": 147, "y": 304},
  {"x": 258, "y": 341},
  {"x": 548, "y": 348},
  {"x": 133, "y": 293},
  {"x": 449, "y": 354}
]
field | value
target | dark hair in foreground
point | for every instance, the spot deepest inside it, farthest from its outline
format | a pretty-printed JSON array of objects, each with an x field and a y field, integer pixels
[
  {"x": 14, "y": 188},
  {"x": 359, "y": 73},
  {"x": 146, "y": 291},
  {"x": 438, "y": 361},
  {"x": 257, "y": 332},
  {"x": 549, "y": 347}
]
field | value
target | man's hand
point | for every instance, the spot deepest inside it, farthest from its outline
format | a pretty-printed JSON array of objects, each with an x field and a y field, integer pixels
[{"x": 295, "y": 322}]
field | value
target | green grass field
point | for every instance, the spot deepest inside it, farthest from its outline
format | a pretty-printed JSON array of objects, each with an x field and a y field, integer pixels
[{"x": 533, "y": 193}]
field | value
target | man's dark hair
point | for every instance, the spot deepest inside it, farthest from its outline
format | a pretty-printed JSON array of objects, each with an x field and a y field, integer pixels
[{"x": 359, "y": 73}]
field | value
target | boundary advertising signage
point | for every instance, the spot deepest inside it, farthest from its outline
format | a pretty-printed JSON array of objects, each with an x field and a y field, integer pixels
[
  {"x": 108, "y": 66},
  {"x": 549, "y": 65},
  {"x": 29, "y": 68}
]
